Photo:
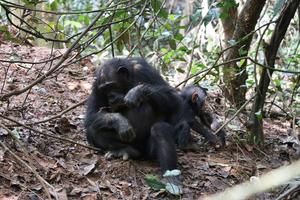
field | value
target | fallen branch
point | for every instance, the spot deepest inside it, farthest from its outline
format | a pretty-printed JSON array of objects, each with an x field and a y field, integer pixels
[
  {"x": 41, "y": 179},
  {"x": 59, "y": 114},
  {"x": 266, "y": 182},
  {"x": 49, "y": 135}
]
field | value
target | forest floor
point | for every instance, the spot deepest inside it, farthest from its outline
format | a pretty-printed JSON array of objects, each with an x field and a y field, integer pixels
[{"x": 77, "y": 172}]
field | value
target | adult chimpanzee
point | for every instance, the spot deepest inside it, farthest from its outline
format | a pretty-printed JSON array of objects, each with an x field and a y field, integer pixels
[
  {"x": 194, "y": 100},
  {"x": 132, "y": 111}
]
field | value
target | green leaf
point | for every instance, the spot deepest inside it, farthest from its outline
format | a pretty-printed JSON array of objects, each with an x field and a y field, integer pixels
[
  {"x": 54, "y": 5},
  {"x": 173, "y": 189},
  {"x": 242, "y": 62},
  {"x": 172, "y": 17},
  {"x": 163, "y": 13},
  {"x": 249, "y": 82},
  {"x": 226, "y": 5},
  {"x": 259, "y": 115},
  {"x": 172, "y": 44},
  {"x": 73, "y": 24},
  {"x": 16, "y": 133},
  {"x": 153, "y": 182},
  {"x": 180, "y": 70},
  {"x": 178, "y": 36},
  {"x": 242, "y": 51},
  {"x": 168, "y": 26},
  {"x": 156, "y": 4},
  {"x": 120, "y": 45},
  {"x": 3, "y": 28},
  {"x": 278, "y": 82}
]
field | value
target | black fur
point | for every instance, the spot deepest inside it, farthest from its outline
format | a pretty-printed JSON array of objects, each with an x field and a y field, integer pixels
[
  {"x": 133, "y": 110},
  {"x": 199, "y": 119}
]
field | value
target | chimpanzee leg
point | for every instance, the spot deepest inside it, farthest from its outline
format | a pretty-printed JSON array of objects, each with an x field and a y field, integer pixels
[
  {"x": 104, "y": 139},
  {"x": 183, "y": 134},
  {"x": 161, "y": 146}
]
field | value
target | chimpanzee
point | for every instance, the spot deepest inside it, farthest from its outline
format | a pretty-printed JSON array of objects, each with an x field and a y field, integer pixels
[
  {"x": 201, "y": 120},
  {"x": 133, "y": 112}
]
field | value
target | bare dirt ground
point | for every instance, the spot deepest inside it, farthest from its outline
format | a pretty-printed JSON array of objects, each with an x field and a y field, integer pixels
[{"x": 77, "y": 172}]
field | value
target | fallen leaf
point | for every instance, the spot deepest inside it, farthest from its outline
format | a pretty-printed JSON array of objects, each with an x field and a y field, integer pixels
[{"x": 72, "y": 85}]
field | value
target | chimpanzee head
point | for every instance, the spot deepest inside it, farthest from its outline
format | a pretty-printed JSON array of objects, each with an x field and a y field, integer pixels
[
  {"x": 195, "y": 96},
  {"x": 113, "y": 79}
]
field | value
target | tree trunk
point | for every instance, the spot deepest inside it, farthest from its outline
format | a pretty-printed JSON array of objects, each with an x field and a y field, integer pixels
[
  {"x": 256, "y": 124},
  {"x": 235, "y": 76}
]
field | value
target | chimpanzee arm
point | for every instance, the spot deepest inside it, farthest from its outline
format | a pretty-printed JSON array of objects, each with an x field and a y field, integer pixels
[
  {"x": 207, "y": 118},
  {"x": 96, "y": 101},
  {"x": 116, "y": 122},
  {"x": 162, "y": 98},
  {"x": 201, "y": 128},
  {"x": 210, "y": 120},
  {"x": 98, "y": 119}
]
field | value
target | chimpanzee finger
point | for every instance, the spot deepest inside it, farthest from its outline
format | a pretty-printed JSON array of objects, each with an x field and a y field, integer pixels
[{"x": 127, "y": 135}]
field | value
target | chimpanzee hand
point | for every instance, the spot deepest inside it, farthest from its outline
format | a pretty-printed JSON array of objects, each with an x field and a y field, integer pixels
[
  {"x": 127, "y": 134},
  {"x": 116, "y": 122},
  {"x": 135, "y": 96},
  {"x": 124, "y": 128}
]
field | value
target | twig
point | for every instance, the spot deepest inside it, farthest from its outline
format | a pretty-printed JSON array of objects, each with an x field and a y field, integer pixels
[
  {"x": 60, "y": 62},
  {"x": 20, "y": 184},
  {"x": 74, "y": 12},
  {"x": 235, "y": 114},
  {"x": 290, "y": 191},
  {"x": 266, "y": 182},
  {"x": 50, "y": 135},
  {"x": 43, "y": 181},
  {"x": 59, "y": 114}
]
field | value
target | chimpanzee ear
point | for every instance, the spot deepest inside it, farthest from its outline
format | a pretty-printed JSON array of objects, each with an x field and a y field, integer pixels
[
  {"x": 194, "y": 97},
  {"x": 123, "y": 71}
]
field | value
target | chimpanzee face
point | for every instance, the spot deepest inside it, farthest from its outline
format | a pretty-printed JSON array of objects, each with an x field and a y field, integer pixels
[
  {"x": 195, "y": 96},
  {"x": 114, "y": 80},
  {"x": 198, "y": 97}
]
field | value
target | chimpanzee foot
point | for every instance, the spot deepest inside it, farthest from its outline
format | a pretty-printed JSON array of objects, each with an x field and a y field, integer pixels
[
  {"x": 124, "y": 153},
  {"x": 173, "y": 181},
  {"x": 116, "y": 154}
]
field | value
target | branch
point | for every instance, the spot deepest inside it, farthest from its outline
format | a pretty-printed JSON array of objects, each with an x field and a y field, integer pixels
[
  {"x": 235, "y": 114},
  {"x": 41, "y": 179},
  {"x": 59, "y": 114},
  {"x": 50, "y": 135},
  {"x": 266, "y": 182},
  {"x": 62, "y": 59}
]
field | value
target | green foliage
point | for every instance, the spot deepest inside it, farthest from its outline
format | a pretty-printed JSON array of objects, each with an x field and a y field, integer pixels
[
  {"x": 226, "y": 5},
  {"x": 154, "y": 183},
  {"x": 151, "y": 28},
  {"x": 259, "y": 115},
  {"x": 212, "y": 14},
  {"x": 158, "y": 8},
  {"x": 7, "y": 35}
]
